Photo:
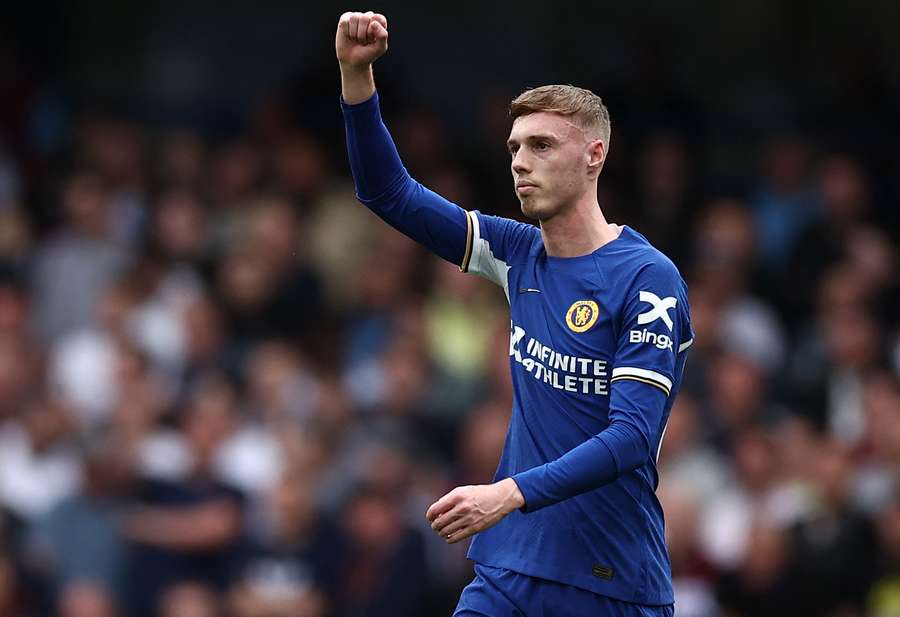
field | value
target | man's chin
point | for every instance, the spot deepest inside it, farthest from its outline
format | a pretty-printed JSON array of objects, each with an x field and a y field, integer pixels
[
  {"x": 533, "y": 210},
  {"x": 529, "y": 208}
]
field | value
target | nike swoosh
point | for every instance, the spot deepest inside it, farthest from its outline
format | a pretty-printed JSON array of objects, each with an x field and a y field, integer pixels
[{"x": 523, "y": 290}]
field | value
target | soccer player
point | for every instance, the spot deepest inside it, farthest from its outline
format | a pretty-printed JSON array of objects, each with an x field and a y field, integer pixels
[{"x": 600, "y": 325}]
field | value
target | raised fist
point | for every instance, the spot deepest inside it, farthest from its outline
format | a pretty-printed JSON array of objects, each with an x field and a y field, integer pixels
[{"x": 361, "y": 39}]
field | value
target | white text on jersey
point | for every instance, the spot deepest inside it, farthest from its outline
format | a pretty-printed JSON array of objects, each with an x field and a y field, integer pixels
[
  {"x": 561, "y": 371},
  {"x": 660, "y": 341}
]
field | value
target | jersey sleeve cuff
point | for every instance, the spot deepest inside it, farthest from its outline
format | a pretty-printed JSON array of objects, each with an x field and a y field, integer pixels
[
  {"x": 364, "y": 106},
  {"x": 362, "y": 118},
  {"x": 527, "y": 481}
]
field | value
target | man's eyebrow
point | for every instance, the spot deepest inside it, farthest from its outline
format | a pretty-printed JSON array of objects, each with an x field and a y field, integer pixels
[{"x": 535, "y": 137}]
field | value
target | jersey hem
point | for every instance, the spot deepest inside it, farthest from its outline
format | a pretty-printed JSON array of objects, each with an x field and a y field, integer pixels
[{"x": 537, "y": 574}]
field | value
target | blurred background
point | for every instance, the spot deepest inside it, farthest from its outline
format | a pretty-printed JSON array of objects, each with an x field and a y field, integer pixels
[{"x": 227, "y": 389}]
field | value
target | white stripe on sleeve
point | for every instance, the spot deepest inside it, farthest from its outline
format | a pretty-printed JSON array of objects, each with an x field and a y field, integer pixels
[
  {"x": 482, "y": 260},
  {"x": 632, "y": 371}
]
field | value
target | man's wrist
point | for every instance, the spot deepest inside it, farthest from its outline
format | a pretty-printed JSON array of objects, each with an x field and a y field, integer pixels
[
  {"x": 357, "y": 83},
  {"x": 513, "y": 498},
  {"x": 355, "y": 70}
]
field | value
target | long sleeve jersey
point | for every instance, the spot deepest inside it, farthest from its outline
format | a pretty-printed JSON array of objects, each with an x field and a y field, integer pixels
[{"x": 597, "y": 349}]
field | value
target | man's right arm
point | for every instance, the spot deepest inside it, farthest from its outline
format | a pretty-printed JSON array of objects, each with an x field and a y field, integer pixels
[{"x": 382, "y": 183}]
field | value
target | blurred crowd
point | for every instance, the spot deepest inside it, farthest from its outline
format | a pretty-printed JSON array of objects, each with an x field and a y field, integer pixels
[{"x": 229, "y": 390}]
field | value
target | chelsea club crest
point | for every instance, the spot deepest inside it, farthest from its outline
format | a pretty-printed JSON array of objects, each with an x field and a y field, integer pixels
[{"x": 582, "y": 315}]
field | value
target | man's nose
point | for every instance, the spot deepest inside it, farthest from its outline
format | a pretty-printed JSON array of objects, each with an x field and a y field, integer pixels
[{"x": 520, "y": 163}]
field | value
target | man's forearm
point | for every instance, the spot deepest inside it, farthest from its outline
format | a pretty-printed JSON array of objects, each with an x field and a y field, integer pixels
[
  {"x": 598, "y": 461},
  {"x": 357, "y": 84},
  {"x": 386, "y": 188}
]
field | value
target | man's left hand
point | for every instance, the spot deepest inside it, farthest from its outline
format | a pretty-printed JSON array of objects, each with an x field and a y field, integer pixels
[{"x": 466, "y": 510}]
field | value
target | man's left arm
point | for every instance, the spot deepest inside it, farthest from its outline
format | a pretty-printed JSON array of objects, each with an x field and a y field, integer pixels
[{"x": 654, "y": 334}]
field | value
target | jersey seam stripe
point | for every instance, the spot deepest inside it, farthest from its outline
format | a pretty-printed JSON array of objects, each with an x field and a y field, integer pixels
[
  {"x": 661, "y": 437},
  {"x": 685, "y": 345},
  {"x": 642, "y": 380},
  {"x": 642, "y": 372},
  {"x": 467, "y": 256}
]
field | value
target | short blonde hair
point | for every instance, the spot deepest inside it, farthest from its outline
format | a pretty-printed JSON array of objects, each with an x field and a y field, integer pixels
[{"x": 583, "y": 106}]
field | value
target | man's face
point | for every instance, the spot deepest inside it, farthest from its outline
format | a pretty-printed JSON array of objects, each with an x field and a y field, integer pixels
[{"x": 551, "y": 163}]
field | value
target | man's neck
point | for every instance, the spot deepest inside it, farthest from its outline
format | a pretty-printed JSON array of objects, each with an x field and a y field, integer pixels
[{"x": 579, "y": 230}]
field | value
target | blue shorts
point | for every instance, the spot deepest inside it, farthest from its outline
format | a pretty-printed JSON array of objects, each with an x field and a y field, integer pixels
[{"x": 497, "y": 592}]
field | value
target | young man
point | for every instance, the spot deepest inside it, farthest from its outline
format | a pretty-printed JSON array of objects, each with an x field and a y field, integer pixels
[{"x": 600, "y": 326}]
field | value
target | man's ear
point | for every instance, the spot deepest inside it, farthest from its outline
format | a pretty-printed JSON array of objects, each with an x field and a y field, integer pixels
[{"x": 596, "y": 155}]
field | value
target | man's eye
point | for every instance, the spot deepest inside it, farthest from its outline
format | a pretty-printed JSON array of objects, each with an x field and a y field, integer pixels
[
  {"x": 542, "y": 145},
  {"x": 512, "y": 151}
]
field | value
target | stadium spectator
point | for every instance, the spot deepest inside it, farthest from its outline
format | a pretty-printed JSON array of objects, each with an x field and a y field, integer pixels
[
  {"x": 75, "y": 551},
  {"x": 72, "y": 269},
  {"x": 39, "y": 465},
  {"x": 185, "y": 527},
  {"x": 834, "y": 543},
  {"x": 784, "y": 202},
  {"x": 764, "y": 581},
  {"x": 382, "y": 569},
  {"x": 292, "y": 566}
]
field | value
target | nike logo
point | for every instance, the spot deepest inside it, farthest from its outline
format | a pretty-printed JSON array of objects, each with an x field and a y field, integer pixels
[{"x": 523, "y": 290}]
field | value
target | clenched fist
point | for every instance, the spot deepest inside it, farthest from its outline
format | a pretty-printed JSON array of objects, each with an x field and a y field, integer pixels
[{"x": 361, "y": 39}]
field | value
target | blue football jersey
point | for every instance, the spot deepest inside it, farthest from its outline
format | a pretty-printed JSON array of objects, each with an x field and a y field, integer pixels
[
  {"x": 597, "y": 349},
  {"x": 592, "y": 339}
]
